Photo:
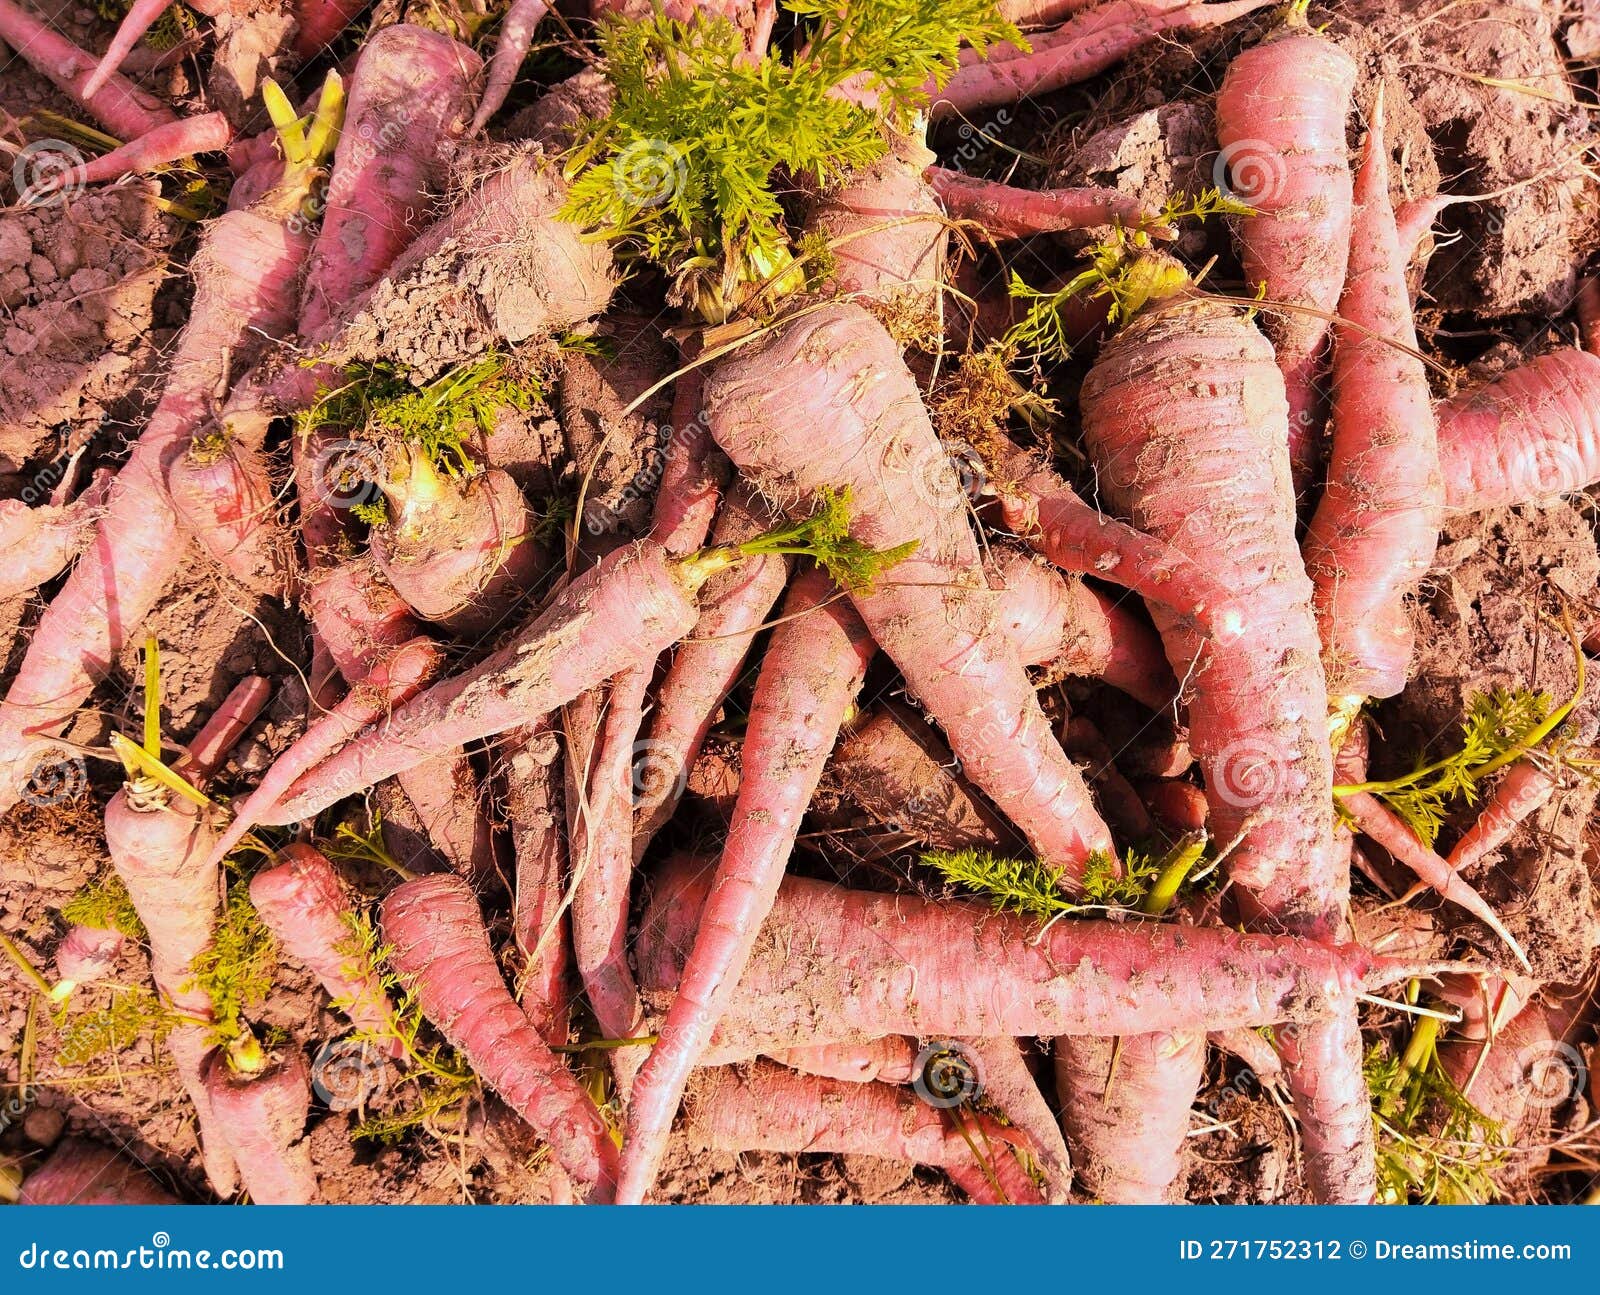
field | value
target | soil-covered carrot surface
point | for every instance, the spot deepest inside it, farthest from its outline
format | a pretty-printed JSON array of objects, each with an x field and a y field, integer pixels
[{"x": 815, "y": 609}]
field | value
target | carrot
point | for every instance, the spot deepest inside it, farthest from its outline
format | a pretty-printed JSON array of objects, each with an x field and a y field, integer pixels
[
  {"x": 318, "y": 22},
  {"x": 1586, "y": 306},
  {"x": 441, "y": 945},
  {"x": 510, "y": 50},
  {"x": 703, "y": 671},
  {"x": 409, "y": 96},
  {"x": 460, "y": 554},
  {"x": 889, "y": 1060},
  {"x": 693, "y": 472},
  {"x": 87, "y": 953},
  {"x": 85, "y": 1173},
  {"x": 1083, "y": 47},
  {"x": 1178, "y": 804},
  {"x": 766, "y": 1108},
  {"x": 1005, "y": 212},
  {"x": 1009, "y": 1086},
  {"x": 1280, "y": 124},
  {"x": 935, "y": 618},
  {"x": 1529, "y": 435},
  {"x": 1373, "y": 534},
  {"x": 209, "y": 132},
  {"x": 36, "y": 543},
  {"x": 1522, "y": 791},
  {"x": 836, "y": 965},
  {"x": 221, "y": 490},
  {"x": 262, "y": 1105},
  {"x": 810, "y": 675},
  {"x": 1223, "y": 471},
  {"x": 302, "y": 903},
  {"x": 123, "y": 109},
  {"x": 531, "y": 772},
  {"x": 141, "y": 16},
  {"x": 1129, "y": 1113},
  {"x": 245, "y": 278},
  {"x": 623, "y": 611}
]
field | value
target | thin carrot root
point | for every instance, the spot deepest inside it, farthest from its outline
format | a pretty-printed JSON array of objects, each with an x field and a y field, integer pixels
[{"x": 1005, "y": 212}]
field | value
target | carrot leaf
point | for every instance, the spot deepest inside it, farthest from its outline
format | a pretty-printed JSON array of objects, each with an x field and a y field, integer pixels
[
  {"x": 825, "y": 536},
  {"x": 236, "y": 969},
  {"x": 686, "y": 168},
  {"x": 104, "y": 904}
]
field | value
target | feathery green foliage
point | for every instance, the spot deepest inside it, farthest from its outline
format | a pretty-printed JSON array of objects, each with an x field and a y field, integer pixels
[
  {"x": 1035, "y": 889},
  {"x": 825, "y": 536},
  {"x": 104, "y": 905},
  {"x": 684, "y": 170},
  {"x": 236, "y": 969},
  {"x": 105, "y": 1031}
]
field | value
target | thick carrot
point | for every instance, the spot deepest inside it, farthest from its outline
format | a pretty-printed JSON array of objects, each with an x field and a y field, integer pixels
[
  {"x": 1221, "y": 492},
  {"x": 1129, "y": 1112},
  {"x": 1006, "y": 212},
  {"x": 123, "y": 109},
  {"x": 834, "y": 965},
  {"x": 734, "y": 606},
  {"x": 768, "y": 1108},
  {"x": 510, "y": 49},
  {"x": 1280, "y": 124},
  {"x": 246, "y": 274},
  {"x": 88, "y": 953},
  {"x": 1083, "y": 47},
  {"x": 85, "y": 1173},
  {"x": 221, "y": 490},
  {"x": 37, "y": 542},
  {"x": 1374, "y": 531},
  {"x": 810, "y": 675},
  {"x": 935, "y": 616},
  {"x": 302, "y": 903},
  {"x": 1530, "y": 435},
  {"x": 625, "y": 610},
  {"x": 440, "y": 944},
  {"x": 263, "y": 1112},
  {"x": 460, "y": 554},
  {"x": 1522, "y": 791},
  {"x": 1009, "y": 1086}
]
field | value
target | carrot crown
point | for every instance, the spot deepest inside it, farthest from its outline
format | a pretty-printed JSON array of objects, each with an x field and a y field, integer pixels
[{"x": 306, "y": 142}]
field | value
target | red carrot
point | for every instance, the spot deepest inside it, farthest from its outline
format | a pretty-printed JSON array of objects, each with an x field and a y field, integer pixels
[
  {"x": 124, "y": 110},
  {"x": 1522, "y": 791},
  {"x": 141, "y": 16},
  {"x": 531, "y": 770},
  {"x": 37, "y": 542},
  {"x": 811, "y": 673},
  {"x": 511, "y": 48},
  {"x": 318, "y": 22},
  {"x": 1083, "y": 47},
  {"x": 1530, "y": 435},
  {"x": 302, "y": 902},
  {"x": 836, "y": 965},
  {"x": 210, "y": 132},
  {"x": 222, "y": 491},
  {"x": 734, "y": 606},
  {"x": 889, "y": 1060},
  {"x": 440, "y": 944},
  {"x": 1005, "y": 212},
  {"x": 934, "y": 616},
  {"x": 262, "y": 1103},
  {"x": 766, "y": 1108},
  {"x": 86, "y": 1173},
  {"x": 1373, "y": 534},
  {"x": 1280, "y": 123},
  {"x": 87, "y": 954},
  {"x": 1130, "y": 1110},
  {"x": 245, "y": 278}
]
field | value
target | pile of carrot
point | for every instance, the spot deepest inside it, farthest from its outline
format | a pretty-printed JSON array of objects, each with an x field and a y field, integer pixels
[{"x": 671, "y": 800}]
